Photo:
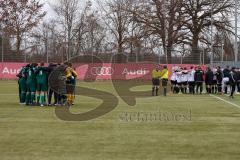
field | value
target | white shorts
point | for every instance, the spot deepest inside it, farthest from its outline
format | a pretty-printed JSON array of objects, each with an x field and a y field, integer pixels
[{"x": 225, "y": 80}]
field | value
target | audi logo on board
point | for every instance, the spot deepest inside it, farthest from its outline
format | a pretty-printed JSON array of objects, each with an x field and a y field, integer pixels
[{"x": 102, "y": 71}]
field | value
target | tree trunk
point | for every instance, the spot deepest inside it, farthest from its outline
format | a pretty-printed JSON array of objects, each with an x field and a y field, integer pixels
[
  {"x": 19, "y": 40},
  {"x": 169, "y": 50},
  {"x": 169, "y": 56},
  {"x": 69, "y": 45},
  {"x": 120, "y": 52},
  {"x": 195, "y": 51}
]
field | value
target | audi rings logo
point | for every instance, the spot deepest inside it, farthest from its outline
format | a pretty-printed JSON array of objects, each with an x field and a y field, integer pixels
[{"x": 102, "y": 71}]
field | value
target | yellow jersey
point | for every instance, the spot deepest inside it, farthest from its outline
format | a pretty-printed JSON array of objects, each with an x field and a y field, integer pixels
[
  {"x": 156, "y": 74},
  {"x": 70, "y": 72},
  {"x": 164, "y": 74}
]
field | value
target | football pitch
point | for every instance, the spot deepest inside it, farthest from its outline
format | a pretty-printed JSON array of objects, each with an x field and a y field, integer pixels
[{"x": 201, "y": 127}]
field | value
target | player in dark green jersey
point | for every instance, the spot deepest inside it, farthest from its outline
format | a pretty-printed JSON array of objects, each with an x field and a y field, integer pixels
[
  {"x": 31, "y": 85},
  {"x": 22, "y": 75},
  {"x": 42, "y": 84}
]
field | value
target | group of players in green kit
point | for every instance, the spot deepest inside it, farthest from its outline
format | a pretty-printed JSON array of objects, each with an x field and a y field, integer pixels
[
  {"x": 34, "y": 89},
  {"x": 33, "y": 84}
]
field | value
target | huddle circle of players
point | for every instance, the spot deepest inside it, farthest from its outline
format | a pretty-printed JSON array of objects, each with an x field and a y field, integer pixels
[
  {"x": 217, "y": 80},
  {"x": 34, "y": 89}
]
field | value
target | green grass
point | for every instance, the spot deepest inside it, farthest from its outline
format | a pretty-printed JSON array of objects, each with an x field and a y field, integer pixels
[{"x": 28, "y": 133}]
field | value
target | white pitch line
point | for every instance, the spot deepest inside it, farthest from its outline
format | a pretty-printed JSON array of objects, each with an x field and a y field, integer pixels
[
  {"x": 10, "y": 94},
  {"x": 233, "y": 104}
]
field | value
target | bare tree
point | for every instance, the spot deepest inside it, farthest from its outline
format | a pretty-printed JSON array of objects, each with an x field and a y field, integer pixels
[
  {"x": 89, "y": 32},
  {"x": 20, "y": 17},
  {"x": 47, "y": 40},
  {"x": 96, "y": 33},
  {"x": 67, "y": 11},
  {"x": 164, "y": 19},
  {"x": 223, "y": 46},
  {"x": 117, "y": 20},
  {"x": 201, "y": 15}
]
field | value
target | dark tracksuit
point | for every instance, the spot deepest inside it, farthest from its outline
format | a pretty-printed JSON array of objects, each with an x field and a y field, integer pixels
[
  {"x": 198, "y": 77},
  {"x": 209, "y": 81},
  {"x": 238, "y": 82},
  {"x": 219, "y": 75},
  {"x": 233, "y": 81},
  {"x": 57, "y": 82},
  {"x": 51, "y": 91},
  {"x": 22, "y": 84}
]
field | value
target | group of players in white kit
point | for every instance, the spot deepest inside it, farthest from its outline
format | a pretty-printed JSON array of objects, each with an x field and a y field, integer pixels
[{"x": 217, "y": 80}]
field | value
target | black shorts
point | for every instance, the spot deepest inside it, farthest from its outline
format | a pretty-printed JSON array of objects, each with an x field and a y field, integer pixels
[
  {"x": 164, "y": 82},
  {"x": 219, "y": 82},
  {"x": 214, "y": 82},
  {"x": 179, "y": 84},
  {"x": 155, "y": 82},
  {"x": 209, "y": 83},
  {"x": 199, "y": 83},
  {"x": 184, "y": 83},
  {"x": 191, "y": 83},
  {"x": 173, "y": 82}
]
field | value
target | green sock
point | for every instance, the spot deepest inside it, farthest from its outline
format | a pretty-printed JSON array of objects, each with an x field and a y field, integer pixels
[
  {"x": 23, "y": 97},
  {"x": 28, "y": 98},
  {"x": 33, "y": 98},
  {"x": 38, "y": 98},
  {"x": 41, "y": 99},
  {"x": 44, "y": 98},
  {"x": 165, "y": 91}
]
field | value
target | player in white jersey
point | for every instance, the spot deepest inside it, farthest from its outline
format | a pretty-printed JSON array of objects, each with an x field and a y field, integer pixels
[
  {"x": 214, "y": 84},
  {"x": 184, "y": 80},
  {"x": 173, "y": 79},
  {"x": 191, "y": 81},
  {"x": 179, "y": 80}
]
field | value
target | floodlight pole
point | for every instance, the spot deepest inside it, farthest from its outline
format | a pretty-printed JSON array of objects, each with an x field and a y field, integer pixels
[
  {"x": 47, "y": 53},
  {"x": 222, "y": 49},
  {"x": 211, "y": 59},
  {"x": 25, "y": 54},
  {"x": 236, "y": 33},
  {"x": 2, "y": 46}
]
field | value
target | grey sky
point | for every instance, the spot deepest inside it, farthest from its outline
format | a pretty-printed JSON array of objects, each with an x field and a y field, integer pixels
[{"x": 49, "y": 10}]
